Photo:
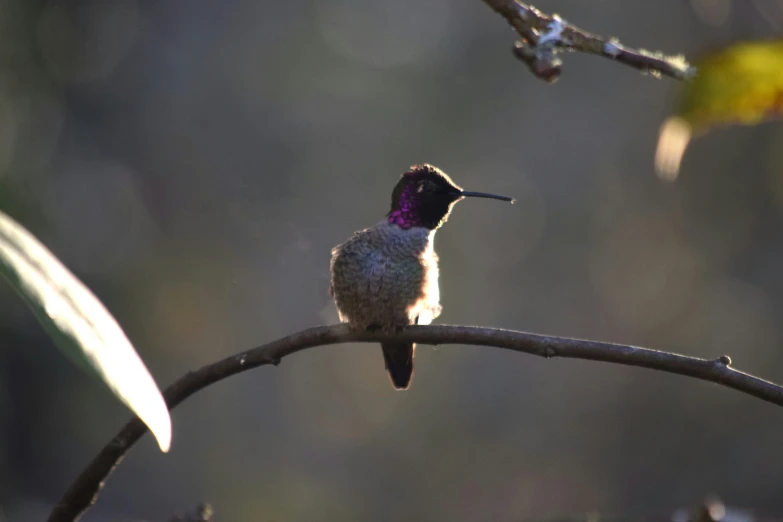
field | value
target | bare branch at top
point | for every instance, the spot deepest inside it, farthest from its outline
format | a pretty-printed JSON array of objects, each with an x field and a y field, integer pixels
[{"x": 544, "y": 37}]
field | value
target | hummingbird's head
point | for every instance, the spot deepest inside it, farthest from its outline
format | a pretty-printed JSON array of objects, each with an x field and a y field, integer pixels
[{"x": 424, "y": 196}]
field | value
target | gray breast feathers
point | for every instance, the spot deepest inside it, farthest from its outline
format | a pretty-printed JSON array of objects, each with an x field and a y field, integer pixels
[{"x": 386, "y": 276}]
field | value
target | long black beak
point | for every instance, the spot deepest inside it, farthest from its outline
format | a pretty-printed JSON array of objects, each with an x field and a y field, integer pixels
[{"x": 485, "y": 195}]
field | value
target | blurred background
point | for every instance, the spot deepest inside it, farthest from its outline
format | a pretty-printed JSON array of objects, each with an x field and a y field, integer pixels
[{"x": 194, "y": 161}]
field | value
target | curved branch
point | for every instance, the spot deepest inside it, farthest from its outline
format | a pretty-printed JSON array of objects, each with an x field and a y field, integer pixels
[
  {"x": 84, "y": 491},
  {"x": 544, "y": 36}
]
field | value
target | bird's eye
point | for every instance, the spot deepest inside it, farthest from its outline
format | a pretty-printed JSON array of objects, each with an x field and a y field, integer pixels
[{"x": 426, "y": 187}]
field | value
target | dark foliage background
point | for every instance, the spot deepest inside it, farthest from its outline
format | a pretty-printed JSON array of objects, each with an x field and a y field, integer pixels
[{"x": 194, "y": 161}]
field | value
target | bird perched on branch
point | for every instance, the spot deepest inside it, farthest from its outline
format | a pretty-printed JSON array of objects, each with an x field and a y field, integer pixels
[{"x": 386, "y": 277}]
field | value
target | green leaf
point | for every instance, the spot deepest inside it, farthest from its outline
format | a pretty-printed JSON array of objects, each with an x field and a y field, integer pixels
[
  {"x": 80, "y": 325},
  {"x": 741, "y": 84}
]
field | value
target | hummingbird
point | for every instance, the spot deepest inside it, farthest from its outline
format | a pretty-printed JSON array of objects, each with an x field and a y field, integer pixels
[{"x": 385, "y": 277}]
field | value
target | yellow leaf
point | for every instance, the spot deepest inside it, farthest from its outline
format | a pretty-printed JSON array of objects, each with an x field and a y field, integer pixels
[{"x": 741, "y": 84}]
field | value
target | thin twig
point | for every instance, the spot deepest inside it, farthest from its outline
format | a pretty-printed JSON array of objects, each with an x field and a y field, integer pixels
[
  {"x": 544, "y": 37},
  {"x": 86, "y": 487}
]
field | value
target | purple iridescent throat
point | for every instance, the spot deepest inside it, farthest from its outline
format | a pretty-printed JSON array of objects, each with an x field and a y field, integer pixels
[{"x": 405, "y": 217}]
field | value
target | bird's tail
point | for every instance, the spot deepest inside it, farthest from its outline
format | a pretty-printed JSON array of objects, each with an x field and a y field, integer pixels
[{"x": 398, "y": 357}]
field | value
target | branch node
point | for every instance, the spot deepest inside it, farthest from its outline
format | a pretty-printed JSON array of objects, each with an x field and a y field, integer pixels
[
  {"x": 549, "y": 351},
  {"x": 203, "y": 513},
  {"x": 554, "y": 32},
  {"x": 543, "y": 62},
  {"x": 612, "y": 48},
  {"x": 725, "y": 360}
]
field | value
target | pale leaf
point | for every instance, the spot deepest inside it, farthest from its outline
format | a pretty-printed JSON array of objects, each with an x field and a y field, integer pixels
[{"x": 80, "y": 325}]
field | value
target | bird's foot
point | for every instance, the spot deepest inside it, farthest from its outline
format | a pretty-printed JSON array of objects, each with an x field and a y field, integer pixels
[{"x": 374, "y": 328}]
